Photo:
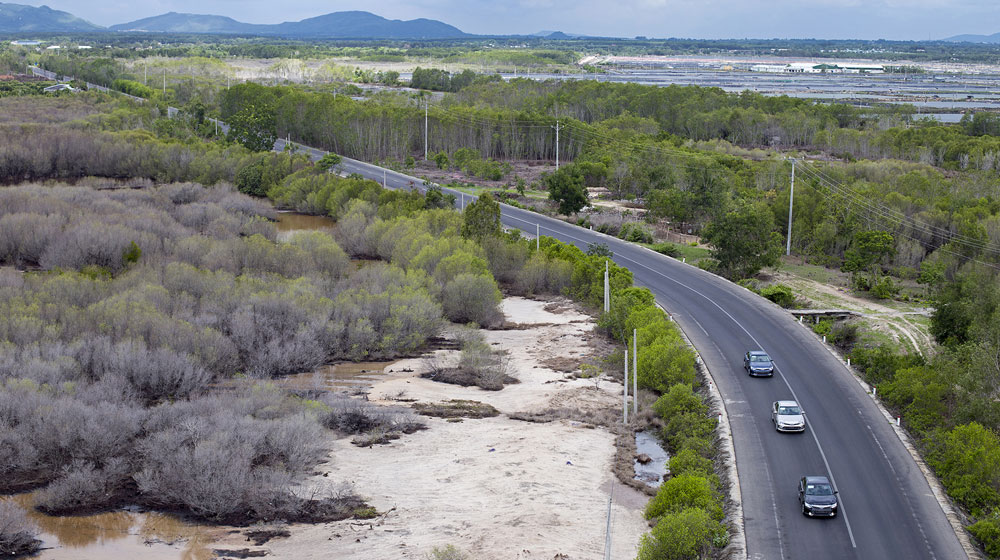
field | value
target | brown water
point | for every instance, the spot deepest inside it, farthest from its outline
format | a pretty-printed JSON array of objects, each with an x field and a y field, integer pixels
[
  {"x": 349, "y": 376},
  {"x": 293, "y": 221},
  {"x": 118, "y": 535}
]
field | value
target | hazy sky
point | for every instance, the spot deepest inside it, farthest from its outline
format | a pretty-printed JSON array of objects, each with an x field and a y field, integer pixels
[{"x": 709, "y": 19}]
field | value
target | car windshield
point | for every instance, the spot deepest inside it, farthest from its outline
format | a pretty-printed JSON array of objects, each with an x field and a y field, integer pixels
[
  {"x": 759, "y": 358},
  {"x": 789, "y": 410},
  {"x": 819, "y": 490}
]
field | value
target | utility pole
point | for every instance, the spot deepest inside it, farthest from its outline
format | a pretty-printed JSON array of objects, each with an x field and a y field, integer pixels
[
  {"x": 607, "y": 289},
  {"x": 625, "y": 392},
  {"x": 426, "y": 103},
  {"x": 557, "y": 144},
  {"x": 164, "y": 82},
  {"x": 383, "y": 178},
  {"x": 791, "y": 198},
  {"x": 145, "y": 70},
  {"x": 538, "y": 238},
  {"x": 635, "y": 372}
]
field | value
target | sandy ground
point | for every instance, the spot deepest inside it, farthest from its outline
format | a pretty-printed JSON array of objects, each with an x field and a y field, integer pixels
[{"x": 494, "y": 488}]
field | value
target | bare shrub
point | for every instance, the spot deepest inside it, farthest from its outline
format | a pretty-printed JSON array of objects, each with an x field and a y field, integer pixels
[
  {"x": 354, "y": 416},
  {"x": 17, "y": 532},
  {"x": 24, "y": 236},
  {"x": 82, "y": 487},
  {"x": 448, "y": 552},
  {"x": 488, "y": 367}
]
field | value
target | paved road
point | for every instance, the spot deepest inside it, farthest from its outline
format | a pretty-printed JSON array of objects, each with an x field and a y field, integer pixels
[{"x": 888, "y": 510}]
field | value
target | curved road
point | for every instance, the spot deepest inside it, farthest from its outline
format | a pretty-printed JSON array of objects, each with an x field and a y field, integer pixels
[{"x": 887, "y": 508}]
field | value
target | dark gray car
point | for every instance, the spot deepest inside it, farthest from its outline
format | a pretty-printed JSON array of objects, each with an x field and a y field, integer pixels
[
  {"x": 757, "y": 362},
  {"x": 817, "y": 497}
]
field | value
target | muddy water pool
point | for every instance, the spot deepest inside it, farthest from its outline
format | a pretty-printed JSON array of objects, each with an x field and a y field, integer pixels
[
  {"x": 123, "y": 534},
  {"x": 350, "y": 377}
]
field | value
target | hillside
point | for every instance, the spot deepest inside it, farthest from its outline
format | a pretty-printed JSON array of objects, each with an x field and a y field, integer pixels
[
  {"x": 994, "y": 38},
  {"x": 352, "y": 24},
  {"x": 15, "y": 18},
  {"x": 173, "y": 22}
]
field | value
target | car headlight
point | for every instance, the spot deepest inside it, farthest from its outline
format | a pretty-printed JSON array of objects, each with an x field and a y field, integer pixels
[{"x": 834, "y": 505}]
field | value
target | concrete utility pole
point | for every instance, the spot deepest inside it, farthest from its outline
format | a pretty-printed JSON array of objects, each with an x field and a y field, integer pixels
[
  {"x": 538, "y": 238},
  {"x": 625, "y": 390},
  {"x": 607, "y": 289},
  {"x": 426, "y": 103},
  {"x": 791, "y": 198},
  {"x": 635, "y": 372},
  {"x": 557, "y": 144}
]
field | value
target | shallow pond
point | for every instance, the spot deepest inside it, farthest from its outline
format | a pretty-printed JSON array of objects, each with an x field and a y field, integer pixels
[
  {"x": 118, "y": 535},
  {"x": 651, "y": 473},
  {"x": 290, "y": 222},
  {"x": 348, "y": 376}
]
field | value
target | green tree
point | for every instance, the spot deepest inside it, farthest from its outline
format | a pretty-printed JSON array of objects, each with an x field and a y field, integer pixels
[
  {"x": 685, "y": 535},
  {"x": 255, "y": 127},
  {"x": 250, "y": 179},
  {"x": 482, "y": 218},
  {"x": 869, "y": 250},
  {"x": 566, "y": 188},
  {"x": 744, "y": 241},
  {"x": 437, "y": 198},
  {"x": 441, "y": 160},
  {"x": 967, "y": 459},
  {"x": 328, "y": 161}
]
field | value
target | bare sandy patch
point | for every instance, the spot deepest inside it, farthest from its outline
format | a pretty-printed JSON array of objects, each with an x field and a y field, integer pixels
[{"x": 495, "y": 488}]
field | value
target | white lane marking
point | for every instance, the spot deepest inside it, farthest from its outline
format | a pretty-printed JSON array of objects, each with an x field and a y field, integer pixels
[
  {"x": 843, "y": 513},
  {"x": 899, "y": 482}
]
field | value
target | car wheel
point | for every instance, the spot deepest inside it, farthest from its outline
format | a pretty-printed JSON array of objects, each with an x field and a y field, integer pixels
[{"x": 804, "y": 510}]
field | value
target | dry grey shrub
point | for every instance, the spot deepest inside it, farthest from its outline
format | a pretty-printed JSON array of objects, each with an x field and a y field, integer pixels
[
  {"x": 17, "y": 532},
  {"x": 489, "y": 368},
  {"x": 83, "y": 487},
  {"x": 355, "y": 416}
]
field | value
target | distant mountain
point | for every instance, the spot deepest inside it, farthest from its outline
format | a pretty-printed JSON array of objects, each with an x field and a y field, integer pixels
[
  {"x": 994, "y": 38},
  {"x": 174, "y": 22},
  {"x": 364, "y": 24},
  {"x": 344, "y": 25},
  {"x": 16, "y": 18}
]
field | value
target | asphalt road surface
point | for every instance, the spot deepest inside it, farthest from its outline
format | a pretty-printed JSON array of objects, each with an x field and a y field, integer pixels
[{"x": 887, "y": 509}]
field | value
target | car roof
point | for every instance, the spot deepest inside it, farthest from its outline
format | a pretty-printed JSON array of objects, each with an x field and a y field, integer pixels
[
  {"x": 816, "y": 480},
  {"x": 757, "y": 353},
  {"x": 786, "y": 403}
]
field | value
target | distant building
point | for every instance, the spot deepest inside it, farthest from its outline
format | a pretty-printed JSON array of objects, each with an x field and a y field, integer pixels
[
  {"x": 26, "y": 43},
  {"x": 813, "y": 68}
]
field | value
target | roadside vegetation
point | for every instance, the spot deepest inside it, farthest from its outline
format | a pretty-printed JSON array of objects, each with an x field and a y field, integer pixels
[{"x": 906, "y": 207}]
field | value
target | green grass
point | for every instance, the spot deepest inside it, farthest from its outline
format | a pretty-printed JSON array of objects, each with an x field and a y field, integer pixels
[{"x": 817, "y": 273}]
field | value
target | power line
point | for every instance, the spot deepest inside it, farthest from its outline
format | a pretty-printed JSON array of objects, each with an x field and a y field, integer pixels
[{"x": 890, "y": 215}]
